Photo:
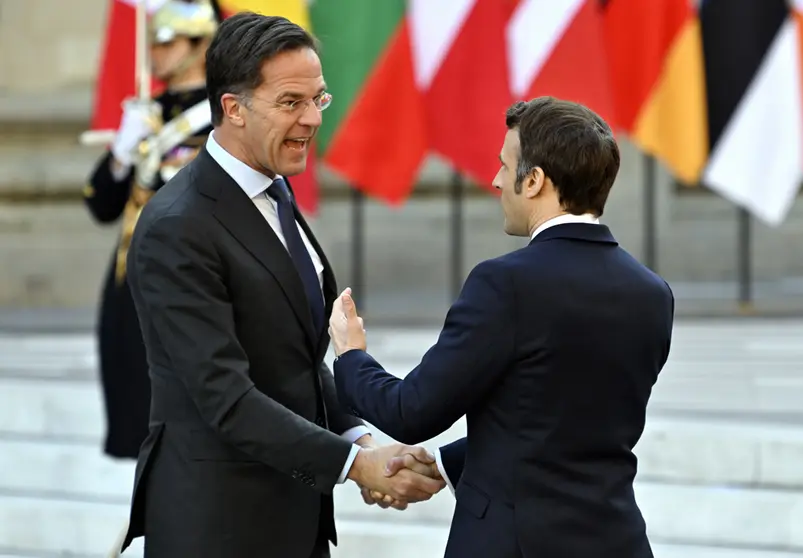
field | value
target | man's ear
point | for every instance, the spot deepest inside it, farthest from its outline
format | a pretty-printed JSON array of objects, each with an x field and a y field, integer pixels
[
  {"x": 534, "y": 183},
  {"x": 233, "y": 108}
]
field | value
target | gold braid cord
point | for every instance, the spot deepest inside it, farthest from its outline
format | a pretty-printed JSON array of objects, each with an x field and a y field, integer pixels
[{"x": 139, "y": 197}]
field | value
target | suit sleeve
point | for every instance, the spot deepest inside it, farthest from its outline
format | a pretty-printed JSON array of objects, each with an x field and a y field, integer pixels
[
  {"x": 106, "y": 195},
  {"x": 452, "y": 458},
  {"x": 339, "y": 420},
  {"x": 177, "y": 282},
  {"x": 473, "y": 351}
]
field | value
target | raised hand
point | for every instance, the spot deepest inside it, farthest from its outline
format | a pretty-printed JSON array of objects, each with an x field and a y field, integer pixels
[{"x": 345, "y": 326}]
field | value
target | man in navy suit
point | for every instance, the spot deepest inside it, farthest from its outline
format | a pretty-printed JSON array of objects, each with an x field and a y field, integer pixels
[{"x": 550, "y": 352}]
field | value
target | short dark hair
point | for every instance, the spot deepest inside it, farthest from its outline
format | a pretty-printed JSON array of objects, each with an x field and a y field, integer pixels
[
  {"x": 574, "y": 147},
  {"x": 241, "y": 45}
]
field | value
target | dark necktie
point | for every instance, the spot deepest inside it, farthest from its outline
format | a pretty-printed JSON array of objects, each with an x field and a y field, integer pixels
[{"x": 298, "y": 251}]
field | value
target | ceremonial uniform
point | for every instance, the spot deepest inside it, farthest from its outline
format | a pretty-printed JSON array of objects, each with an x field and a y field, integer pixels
[{"x": 179, "y": 124}]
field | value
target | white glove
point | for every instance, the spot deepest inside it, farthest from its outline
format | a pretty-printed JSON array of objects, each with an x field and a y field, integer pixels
[{"x": 137, "y": 124}]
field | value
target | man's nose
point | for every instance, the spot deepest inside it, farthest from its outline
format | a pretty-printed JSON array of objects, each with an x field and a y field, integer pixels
[{"x": 311, "y": 116}]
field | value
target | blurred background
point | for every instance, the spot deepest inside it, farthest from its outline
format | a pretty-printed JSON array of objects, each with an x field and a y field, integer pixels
[{"x": 705, "y": 99}]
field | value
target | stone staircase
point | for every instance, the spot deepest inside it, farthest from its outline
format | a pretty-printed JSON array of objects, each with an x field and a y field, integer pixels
[{"x": 721, "y": 460}]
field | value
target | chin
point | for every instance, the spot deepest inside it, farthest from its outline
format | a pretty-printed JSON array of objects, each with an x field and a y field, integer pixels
[{"x": 292, "y": 170}]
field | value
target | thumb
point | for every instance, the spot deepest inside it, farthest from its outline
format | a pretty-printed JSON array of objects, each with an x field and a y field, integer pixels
[
  {"x": 349, "y": 308},
  {"x": 394, "y": 465},
  {"x": 421, "y": 454}
]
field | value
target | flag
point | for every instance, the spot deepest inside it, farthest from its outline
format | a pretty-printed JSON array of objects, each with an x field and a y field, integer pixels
[
  {"x": 753, "y": 87},
  {"x": 305, "y": 185},
  {"x": 117, "y": 75},
  {"x": 460, "y": 61},
  {"x": 655, "y": 57},
  {"x": 374, "y": 133},
  {"x": 557, "y": 48},
  {"x": 296, "y": 11}
]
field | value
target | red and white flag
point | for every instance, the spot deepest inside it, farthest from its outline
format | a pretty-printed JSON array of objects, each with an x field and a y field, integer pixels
[
  {"x": 117, "y": 77},
  {"x": 460, "y": 63},
  {"x": 556, "y": 47}
]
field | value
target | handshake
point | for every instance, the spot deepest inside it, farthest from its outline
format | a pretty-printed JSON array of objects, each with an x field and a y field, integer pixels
[{"x": 396, "y": 475}]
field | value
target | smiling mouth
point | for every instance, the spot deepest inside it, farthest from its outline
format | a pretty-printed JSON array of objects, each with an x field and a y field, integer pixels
[{"x": 297, "y": 144}]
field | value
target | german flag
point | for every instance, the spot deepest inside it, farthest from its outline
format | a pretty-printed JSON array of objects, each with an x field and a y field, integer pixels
[
  {"x": 752, "y": 64},
  {"x": 658, "y": 81}
]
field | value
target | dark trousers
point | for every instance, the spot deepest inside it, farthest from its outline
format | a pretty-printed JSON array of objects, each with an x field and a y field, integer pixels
[{"x": 321, "y": 549}]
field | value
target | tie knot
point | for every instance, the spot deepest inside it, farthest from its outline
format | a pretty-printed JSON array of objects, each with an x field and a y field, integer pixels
[{"x": 278, "y": 190}]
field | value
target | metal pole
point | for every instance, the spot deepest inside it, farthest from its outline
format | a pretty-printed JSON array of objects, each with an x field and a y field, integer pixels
[
  {"x": 744, "y": 259},
  {"x": 650, "y": 241},
  {"x": 456, "y": 271},
  {"x": 142, "y": 59},
  {"x": 358, "y": 247}
]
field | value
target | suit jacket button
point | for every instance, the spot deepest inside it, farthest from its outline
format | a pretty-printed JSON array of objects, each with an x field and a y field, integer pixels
[{"x": 320, "y": 422}]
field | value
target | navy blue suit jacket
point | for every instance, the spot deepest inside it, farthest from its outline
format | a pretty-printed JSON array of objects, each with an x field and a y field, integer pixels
[{"x": 551, "y": 353}]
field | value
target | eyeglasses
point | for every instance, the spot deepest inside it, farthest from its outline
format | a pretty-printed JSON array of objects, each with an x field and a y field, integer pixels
[{"x": 321, "y": 103}]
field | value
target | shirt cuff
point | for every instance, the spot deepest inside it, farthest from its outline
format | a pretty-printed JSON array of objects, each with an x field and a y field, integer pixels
[
  {"x": 442, "y": 470},
  {"x": 355, "y": 449},
  {"x": 355, "y": 433}
]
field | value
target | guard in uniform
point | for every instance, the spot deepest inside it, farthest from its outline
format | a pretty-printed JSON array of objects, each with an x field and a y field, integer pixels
[{"x": 156, "y": 139}]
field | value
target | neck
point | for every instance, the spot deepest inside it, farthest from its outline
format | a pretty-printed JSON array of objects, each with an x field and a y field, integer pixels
[{"x": 538, "y": 220}]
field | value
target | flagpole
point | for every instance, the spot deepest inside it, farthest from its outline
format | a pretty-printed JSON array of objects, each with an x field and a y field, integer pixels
[
  {"x": 456, "y": 197},
  {"x": 358, "y": 246},
  {"x": 744, "y": 259},
  {"x": 650, "y": 240}
]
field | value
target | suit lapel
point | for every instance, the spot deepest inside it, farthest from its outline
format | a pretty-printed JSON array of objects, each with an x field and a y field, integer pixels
[{"x": 238, "y": 214}]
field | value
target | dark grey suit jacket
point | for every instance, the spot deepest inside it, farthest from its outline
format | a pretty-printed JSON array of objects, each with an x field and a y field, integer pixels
[{"x": 244, "y": 447}]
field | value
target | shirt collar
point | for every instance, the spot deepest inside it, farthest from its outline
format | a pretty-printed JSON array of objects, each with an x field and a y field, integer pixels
[
  {"x": 252, "y": 182},
  {"x": 567, "y": 218}
]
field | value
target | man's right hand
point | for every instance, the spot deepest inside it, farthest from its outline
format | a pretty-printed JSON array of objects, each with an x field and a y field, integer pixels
[{"x": 417, "y": 483}]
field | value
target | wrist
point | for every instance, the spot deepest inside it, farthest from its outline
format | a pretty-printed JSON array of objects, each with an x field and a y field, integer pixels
[
  {"x": 346, "y": 350},
  {"x": 366, "y": 441},
  {"x": 357, "y": 467}
]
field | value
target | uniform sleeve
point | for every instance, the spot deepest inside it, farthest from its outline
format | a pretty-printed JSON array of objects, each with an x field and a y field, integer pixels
[{"x": 106, "y": 195}]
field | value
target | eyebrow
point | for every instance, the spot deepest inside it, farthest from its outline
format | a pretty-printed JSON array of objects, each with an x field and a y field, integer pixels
[{"x": 296, "y": 95}]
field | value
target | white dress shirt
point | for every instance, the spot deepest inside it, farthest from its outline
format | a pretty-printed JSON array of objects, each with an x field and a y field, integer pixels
[
  {"x": 560, "y": 220},
  {"x": 255, "y": 185}
]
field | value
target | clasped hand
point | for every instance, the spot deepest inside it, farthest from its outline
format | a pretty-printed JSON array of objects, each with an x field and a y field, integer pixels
[{"x": 396, "y": 475}]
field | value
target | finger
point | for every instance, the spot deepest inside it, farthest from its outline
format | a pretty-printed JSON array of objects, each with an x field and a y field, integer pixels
[
  {"x": 362, "y": 326},
  {"x": 394, "y": 465},
  {"x": 366, "y": 497},
  {"x": 428, "y": 469},
  {"x": 413, "y": 487},
  {"x": 421, "y": 454},
  {"x": 399, "y": 505},
  {"x": 381, "y": 500}
]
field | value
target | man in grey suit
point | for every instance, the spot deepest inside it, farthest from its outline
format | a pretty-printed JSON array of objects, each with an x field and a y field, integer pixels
[{"x": 247, "y": 439}]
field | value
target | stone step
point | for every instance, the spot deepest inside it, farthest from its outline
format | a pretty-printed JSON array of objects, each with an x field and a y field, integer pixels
[
  {"x": 62, "y": 473},
  {"x": 49, "y": 529},
  {"x": 692, "y": 449}
]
